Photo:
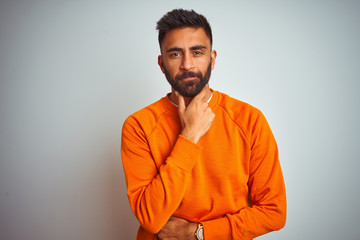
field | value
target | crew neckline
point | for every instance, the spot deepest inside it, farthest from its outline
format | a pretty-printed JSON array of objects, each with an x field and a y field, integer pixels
[
  {"x": 172, "y": 107},
  {"x": 178, "y": 105}
]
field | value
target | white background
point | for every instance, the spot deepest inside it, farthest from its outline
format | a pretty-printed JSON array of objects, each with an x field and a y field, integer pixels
[{"x": 72, "y": 71}]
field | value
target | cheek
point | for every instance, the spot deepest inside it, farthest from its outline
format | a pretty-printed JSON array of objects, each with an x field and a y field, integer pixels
[
  {"x": 172, "y": 68},
  {"x": 204, "y": 65},
  {"x": 174, "y": 64}
]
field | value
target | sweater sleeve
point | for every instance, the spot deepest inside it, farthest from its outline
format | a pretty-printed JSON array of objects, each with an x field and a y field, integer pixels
[
  {"x": 267, "y": 211},
  {"x": 155, "y": 193}
]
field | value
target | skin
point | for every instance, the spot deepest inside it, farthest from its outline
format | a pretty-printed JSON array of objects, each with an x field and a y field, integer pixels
[
  {"x": 178, "y": 228},
  {"x": 188, "y": 49}
]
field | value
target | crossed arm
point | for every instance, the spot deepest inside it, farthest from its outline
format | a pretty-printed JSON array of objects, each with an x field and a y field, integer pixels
[
  {"x": 168, "y": 185},
  {"x": 175, "y": 173},
  {"x": 196, "y": 119}
]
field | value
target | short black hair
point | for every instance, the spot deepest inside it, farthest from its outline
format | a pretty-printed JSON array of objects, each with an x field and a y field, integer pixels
[{"x": 179, "y": 18}]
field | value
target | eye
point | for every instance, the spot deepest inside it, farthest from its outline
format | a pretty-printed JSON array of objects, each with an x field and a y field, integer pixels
[
  {"x": 198, "y": 53},
  {"x": 175, "y": 54}
]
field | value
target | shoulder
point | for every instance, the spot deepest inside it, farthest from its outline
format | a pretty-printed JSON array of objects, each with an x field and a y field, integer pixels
[
  {"x": 246, "y": 116},
  {"x": 146, "y": 118},
  {"x": 238, "y": 110}
]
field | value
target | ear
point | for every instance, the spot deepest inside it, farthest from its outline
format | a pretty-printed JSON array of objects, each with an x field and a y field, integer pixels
[
  {"x": 213, "y": 58},
  {"x": 161, "y": 63}
]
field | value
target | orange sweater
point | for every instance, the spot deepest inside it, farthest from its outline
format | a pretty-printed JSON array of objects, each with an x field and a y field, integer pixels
[{"x": 231, "y": 181}]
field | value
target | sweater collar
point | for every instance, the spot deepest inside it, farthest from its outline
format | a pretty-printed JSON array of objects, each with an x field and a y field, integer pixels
[{"x": 172, "y": 107}]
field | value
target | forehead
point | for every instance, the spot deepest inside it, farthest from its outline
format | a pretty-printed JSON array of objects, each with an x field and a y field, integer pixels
[{"x": 185, "y": 38}]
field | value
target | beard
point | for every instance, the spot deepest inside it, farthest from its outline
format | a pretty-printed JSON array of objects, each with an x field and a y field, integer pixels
[{"x": 189, "y": 88}]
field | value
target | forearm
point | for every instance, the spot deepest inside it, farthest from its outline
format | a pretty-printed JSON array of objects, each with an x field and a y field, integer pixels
[
  {"x": 249, "y": 223},
  {"x": 266, "y": 213},
  {"x": 154, "y": 203}
]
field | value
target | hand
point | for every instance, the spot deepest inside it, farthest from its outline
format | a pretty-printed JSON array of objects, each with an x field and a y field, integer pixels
[
  {"x": 178, "y": 228},
  {"x": 196, "y": 118}
]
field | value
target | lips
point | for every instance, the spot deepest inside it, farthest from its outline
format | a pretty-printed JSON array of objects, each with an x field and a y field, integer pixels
[
  {"x": 189, "y": 79},
  {"x": 188, "y": 76}
]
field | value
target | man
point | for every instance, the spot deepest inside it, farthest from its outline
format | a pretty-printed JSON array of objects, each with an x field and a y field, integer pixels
[{"x": 198, "y": 163}]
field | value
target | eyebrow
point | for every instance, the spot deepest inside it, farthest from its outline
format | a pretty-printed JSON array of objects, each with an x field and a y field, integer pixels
[
  {"x": 198, "y": 47},
  {"x": 174, "y": 49},
  {"x": 177, "y": 49}
]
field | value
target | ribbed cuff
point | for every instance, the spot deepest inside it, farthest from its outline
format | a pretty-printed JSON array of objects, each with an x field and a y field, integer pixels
[
  {"x": 185, "y": 154},
  {"x": 217, "y": 229}
]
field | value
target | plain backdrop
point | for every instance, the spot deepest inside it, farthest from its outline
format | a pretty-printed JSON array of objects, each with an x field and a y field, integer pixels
[{"x": 72, "y": 71}]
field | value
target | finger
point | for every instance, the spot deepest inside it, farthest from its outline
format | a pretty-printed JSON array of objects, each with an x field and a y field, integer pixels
[
  {"x": 181, "y": 102},
  {"x": 204, "y": 105}
]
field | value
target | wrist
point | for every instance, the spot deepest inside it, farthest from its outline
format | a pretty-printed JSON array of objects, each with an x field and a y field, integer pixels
[
  {"x": 199, "y": 233},
  {"x": 188, "y": 135}
]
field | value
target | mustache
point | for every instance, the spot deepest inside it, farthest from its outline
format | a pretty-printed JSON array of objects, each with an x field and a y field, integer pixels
[{"x": 188, "y": 74}]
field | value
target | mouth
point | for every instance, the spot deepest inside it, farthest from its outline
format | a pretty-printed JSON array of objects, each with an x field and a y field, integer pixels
[
  {"x": 188, "y": 76},
  {"x": 189, "y": 79}
]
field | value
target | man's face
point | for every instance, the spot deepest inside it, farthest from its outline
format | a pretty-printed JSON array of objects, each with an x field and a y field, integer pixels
[{"x": 187, "y": 60}]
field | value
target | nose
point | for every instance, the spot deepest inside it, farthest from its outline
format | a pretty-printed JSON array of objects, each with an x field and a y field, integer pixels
[{"x": 187, "y": 62}]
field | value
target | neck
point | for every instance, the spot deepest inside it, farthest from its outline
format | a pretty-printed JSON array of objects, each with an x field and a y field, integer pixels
[{"x": 188, "y": 100}]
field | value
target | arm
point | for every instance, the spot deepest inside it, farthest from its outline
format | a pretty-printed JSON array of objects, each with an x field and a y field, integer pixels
[
  {"x": 154, "y": 194},
  {"x": 267, "y": 192}
]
